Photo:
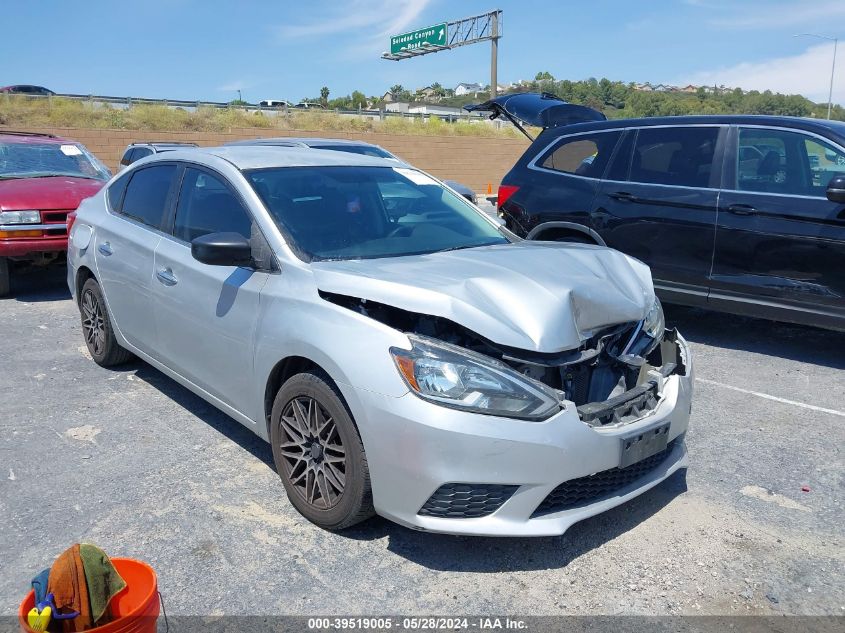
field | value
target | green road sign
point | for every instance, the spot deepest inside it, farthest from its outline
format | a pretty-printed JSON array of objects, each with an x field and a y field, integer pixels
[{"x": 434, "y": 35}]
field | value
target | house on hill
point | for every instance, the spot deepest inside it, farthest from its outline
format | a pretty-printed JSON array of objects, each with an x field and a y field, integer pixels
[{"x": 468, "y": 89}]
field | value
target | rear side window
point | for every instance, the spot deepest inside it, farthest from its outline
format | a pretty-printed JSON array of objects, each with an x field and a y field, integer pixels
[
  {"x": 115, "y": 192},
  {"x": 141, "y": 152},
  {"x": 208, "y": 205},
  {"x": 681, "y": 156},
  {"x": 585, "y": 155},
  {"x": 146, "y": 195}
]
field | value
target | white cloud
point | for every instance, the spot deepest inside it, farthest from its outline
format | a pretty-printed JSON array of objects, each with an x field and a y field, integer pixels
[
  {"x": 386, "y": 16},
  {"x": 768, "y": 15},
  {"x": 232, "y": 86},
  {"x": 807, "y": 73}
]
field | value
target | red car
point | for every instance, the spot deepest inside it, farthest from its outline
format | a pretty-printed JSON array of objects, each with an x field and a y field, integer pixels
[{"x": 42, "y": 179}]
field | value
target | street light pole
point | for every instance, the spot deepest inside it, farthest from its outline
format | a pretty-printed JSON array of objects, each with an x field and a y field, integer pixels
[
  {"x": 494, "y": 55},
  {"x": 835, "y": 41},
  {"x": 832, "y": 71}
]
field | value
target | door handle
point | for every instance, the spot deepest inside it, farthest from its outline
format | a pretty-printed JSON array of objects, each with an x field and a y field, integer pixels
[
  {"x": 166, "y": 276},
  {"x": 105, "y": 249},
  {"x": 741, "y": 209},
  {"x": 623, "y": 196}
]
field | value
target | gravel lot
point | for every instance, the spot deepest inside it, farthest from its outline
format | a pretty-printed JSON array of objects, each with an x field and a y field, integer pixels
[{"x": 131, "y": 461}]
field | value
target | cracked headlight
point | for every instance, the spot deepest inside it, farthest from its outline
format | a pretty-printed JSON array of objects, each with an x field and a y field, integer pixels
[
  {"x": 455, "y": 377},
  {"x": 654, "y": 323},
  {"x": 647, "y": 336}
]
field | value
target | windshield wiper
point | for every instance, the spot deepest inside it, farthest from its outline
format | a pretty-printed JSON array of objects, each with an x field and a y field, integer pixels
[
  {"x": 463, "y": 246},
  {"x": 47, "y": 175}
]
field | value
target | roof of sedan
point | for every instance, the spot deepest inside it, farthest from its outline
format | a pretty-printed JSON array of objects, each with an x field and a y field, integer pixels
[
  {"x": 303, "y": 140},
  {"x": 263, "y": 157}
]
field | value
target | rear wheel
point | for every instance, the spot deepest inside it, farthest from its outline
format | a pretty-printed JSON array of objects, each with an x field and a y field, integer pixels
[
  {"x": 97, "y": 327},
  {"x": 318, "y": 453},
  {"x": 5, "y": 276}
]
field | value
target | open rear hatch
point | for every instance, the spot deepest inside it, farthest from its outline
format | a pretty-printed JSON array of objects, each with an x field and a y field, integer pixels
[{"x": 539, "y": 110}]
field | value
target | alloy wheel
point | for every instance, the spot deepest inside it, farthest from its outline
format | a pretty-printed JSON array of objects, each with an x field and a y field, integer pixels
[
  {"x": 93, "y": 323},
  {"x": 313, "y": 452}
]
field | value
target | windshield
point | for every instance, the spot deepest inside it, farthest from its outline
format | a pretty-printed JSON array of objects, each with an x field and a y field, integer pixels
[
  {"x": 34, "y": 160},
  {"x": 368, "y": 212}
]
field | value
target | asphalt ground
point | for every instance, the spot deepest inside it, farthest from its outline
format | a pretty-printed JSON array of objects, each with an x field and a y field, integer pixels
[{"x": 128, "y": 459}]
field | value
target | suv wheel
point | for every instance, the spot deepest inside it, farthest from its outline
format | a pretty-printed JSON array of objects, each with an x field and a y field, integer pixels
[
  {"x": 5, "y": 276},
  {"x": 97, "y": 327},
  {"x": 318, "y": 453}
]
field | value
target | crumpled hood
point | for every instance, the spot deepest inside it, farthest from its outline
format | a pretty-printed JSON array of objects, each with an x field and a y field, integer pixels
[
  {"x": 55, "y": 192},
  {"x": 537, "y": 296}
]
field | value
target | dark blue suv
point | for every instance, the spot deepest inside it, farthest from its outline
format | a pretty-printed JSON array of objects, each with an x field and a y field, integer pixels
[{"x": 744, "y": 214}]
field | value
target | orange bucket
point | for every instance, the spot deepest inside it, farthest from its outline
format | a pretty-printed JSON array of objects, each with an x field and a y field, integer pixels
[{"x": 135, "y": 609}]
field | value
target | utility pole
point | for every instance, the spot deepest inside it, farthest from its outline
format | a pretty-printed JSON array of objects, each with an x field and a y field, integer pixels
[
  {"x": 835, "y": 41},
  {"x": 494, "y": 54}
]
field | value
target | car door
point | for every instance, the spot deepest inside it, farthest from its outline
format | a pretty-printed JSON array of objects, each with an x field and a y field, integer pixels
[
  {"x": 658, "y": 203},
  {"x": 125, "y": 244},
  {"x": 206, "y": 315},
  {"x": 780, "y": 243}
]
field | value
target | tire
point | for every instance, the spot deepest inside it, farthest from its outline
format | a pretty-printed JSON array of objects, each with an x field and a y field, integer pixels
[
  {"x": 5, "y": 276},
  {"x": 318, "y": 453},
  {"x": 97, "y": 327}
]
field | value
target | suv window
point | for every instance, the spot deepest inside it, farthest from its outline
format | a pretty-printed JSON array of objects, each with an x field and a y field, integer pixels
[
  {"x": 680, "y": 156},
  {"x": 584, "y": 155},
  {"x": 208, "y": 205},
  {"x": 790, "y": 163},
  {"x": 146, "y": 194},
  {"x": 141, "y": 152}
]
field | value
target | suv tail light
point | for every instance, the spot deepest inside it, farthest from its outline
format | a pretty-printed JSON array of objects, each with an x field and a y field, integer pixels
[
  {"x": 71, "y": 218},
  {"x": 505, "y": 192}
]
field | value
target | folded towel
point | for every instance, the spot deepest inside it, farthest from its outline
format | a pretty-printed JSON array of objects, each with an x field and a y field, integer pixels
[
  {"x": 70, "y": 590},
  {"x": 39, "y": 586},
  {"x": 102, "y": 579}
]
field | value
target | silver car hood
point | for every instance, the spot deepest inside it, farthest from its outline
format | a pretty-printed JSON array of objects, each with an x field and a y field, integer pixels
[{"x": 537, "y": 296}]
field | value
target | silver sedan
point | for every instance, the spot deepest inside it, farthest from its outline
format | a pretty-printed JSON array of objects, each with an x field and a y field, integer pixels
[{"x": 403, "y": 353}]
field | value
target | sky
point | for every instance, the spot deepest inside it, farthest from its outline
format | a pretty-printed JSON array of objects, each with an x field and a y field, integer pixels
[{"x": 282, "y": 49}]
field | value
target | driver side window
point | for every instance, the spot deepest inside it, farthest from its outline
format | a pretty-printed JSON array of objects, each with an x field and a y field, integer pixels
[
  {"x": 208, "y": 205},
  {"x": 785, "y": 162}
]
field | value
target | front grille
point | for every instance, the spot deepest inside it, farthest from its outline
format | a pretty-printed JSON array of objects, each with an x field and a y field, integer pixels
[
  {"x": 584, "y": 490},
  {"x": 54, "y": 217},
  {"x": 466, "y": 501}
]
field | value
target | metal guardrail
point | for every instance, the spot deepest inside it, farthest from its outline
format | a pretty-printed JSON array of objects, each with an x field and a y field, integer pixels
[{"x": 127, "y": 102}]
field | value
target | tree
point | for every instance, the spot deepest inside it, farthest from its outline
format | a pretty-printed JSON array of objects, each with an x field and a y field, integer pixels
[
  {"x": 396, "y": 89},
  {"x": 544, "y": 76},
  {"x": 358, "y": 100},
  {"x": 324, "y": 95}
]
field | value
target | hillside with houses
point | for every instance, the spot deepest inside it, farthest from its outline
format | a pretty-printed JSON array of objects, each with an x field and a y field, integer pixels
[{"x": 616, "y": 99}]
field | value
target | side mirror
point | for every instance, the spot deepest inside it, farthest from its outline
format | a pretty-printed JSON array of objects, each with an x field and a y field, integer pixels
[
  {"x": 222, "y": 249},
  {"x": 836, "y": 189}
]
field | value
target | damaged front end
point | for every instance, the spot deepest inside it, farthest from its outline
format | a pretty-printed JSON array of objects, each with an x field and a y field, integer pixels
[{"x": 614, "y": 377}]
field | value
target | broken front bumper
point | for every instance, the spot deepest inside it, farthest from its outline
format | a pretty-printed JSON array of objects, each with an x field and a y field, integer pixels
[{"x": 442, "y": 470}]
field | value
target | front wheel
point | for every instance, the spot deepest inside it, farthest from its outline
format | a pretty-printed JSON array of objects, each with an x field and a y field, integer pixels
[
  {"x": 97, "y": 327},
  {"x": 5, "y": 276},
  {"x": 318, "y": 453}
]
